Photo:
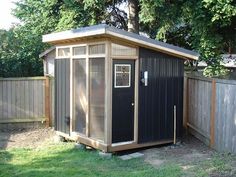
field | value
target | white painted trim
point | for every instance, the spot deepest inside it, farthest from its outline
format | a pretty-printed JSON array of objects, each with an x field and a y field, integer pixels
[
  {"x": 136, "y": 100},
  {"x": 71, "y": 34},
  {"x": 97, "y": 56}
]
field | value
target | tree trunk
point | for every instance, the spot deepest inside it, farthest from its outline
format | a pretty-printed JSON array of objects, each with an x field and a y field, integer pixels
[{"x": 133, "y": 19}]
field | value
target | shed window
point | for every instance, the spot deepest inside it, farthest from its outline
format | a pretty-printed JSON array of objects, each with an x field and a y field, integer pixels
[
  {"x": 79, "y": 50},
  {"x": 122, "y": 75},
  {"x": 121, "y": 50},
  {"x": 97, "y": 97},
  {"x": 64, "y": 52},
  {"x": 97, "y": 49},
  {"x": 80, "y": 99}
]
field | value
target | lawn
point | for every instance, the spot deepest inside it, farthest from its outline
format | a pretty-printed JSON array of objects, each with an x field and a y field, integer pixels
[{"x": 64, "y": 160}]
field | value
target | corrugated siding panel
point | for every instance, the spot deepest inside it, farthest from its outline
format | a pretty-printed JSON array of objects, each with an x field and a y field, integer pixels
[
  {"x": 62, "y": 94},
  {"x": 157, "y": 100}
]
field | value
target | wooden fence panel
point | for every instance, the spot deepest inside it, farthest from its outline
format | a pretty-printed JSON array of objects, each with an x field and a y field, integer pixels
[
  {"x": 199, "y": 97},
  {"x": 225, "y": 120},
  {"x": 22, "y": 100},
  {"x": 211, "y": 111}
]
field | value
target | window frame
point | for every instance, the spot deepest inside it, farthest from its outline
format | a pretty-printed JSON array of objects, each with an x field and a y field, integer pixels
[
  {"x": 87, "y": 55},
  {"x": 115, "y": 72},
  {"x": 63, "y": 57}
]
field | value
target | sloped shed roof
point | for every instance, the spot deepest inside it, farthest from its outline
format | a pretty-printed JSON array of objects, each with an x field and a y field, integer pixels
[
  {"x": 46, "y": 51},
  {"x": 122, "y": 34}
]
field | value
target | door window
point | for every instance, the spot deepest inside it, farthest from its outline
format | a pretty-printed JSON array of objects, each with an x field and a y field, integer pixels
[{"x": 122, "y": 75}]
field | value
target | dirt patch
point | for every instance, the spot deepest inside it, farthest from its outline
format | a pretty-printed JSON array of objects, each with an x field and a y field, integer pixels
[
  {"x": 193, "y": 157},
  {"x": 26, "y": 138}
]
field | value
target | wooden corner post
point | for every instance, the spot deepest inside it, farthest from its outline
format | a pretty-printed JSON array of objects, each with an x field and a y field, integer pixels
[
  {"x": 213, "y": 109},
  {"x": 186, "y": 105},
  {"x": 47, "y": 102}
]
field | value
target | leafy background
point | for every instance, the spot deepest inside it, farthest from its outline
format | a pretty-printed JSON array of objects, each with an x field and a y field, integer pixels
[{"x": 206, "y": 26}]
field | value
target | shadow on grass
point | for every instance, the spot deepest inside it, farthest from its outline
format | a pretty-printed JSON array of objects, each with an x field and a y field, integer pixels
[
  {"x": 4, "y": 138},
  {"x": 64, "y": 160}
]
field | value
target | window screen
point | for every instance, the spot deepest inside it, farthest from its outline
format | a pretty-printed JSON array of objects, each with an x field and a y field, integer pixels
[
  {"x": 122, "y": 75},
  {"x": 97, "y": 97},
  {"x": 120, "y": 50},
  {"x": 97, "y": 49},
  {"x": 80, "y": 101},
  {"x": 81, "y": 50},
  {"x": 64, "y": 52}
]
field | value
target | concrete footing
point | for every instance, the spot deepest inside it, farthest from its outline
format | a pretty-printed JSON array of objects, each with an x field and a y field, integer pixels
[{"x": 105, "y": 155}]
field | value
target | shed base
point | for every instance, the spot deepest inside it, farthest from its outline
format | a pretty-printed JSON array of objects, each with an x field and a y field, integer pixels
[{"x": 113, "y": 147}]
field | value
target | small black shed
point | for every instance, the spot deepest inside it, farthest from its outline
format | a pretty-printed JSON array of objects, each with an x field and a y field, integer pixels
[{"x": 116, "y": 90}]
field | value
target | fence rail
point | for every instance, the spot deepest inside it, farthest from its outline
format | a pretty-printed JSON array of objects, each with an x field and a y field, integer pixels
[
  {"x": 24, "y": 100},
  {"x": 210, "y": 111}
]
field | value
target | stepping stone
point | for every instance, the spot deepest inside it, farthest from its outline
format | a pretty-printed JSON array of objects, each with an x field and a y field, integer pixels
[
  {"x": 125, "y": 157},
  {"x": 131, "y": 156},
  {"x": 136, "y": 155}
]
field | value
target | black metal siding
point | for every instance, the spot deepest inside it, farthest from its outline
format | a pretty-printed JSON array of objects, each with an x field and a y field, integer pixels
[
  {"x": 157, "y": 100},
  {"x": 62, "y": 95}
]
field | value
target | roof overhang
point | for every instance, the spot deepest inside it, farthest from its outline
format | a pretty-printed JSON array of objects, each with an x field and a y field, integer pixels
[
  {"x": 105, "y": 30},
  {"x": 46, "y": 52}
]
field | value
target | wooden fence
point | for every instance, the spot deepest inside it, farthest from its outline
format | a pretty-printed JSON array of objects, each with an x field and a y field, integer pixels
[
  {"x": 210, "y": 111},
  {"x": 25, "y": 100}
]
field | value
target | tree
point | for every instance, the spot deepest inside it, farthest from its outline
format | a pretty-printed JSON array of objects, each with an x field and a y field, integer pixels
[
  {"x": 133, "y": 18},
  {"x": 207, "y": 26},
  {"x": 17, "y": 56},
  {"x": 38, "y": 17}
]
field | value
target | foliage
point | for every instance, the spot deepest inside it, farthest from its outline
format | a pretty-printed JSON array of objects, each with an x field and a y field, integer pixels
[
  {"x": 17, "y": 56},
  {"x": 64, "y": 160},
  {"x": 20, "y": 58},
  {"x": 207, "y": 26},
  {"x": 215, "y": 71}
]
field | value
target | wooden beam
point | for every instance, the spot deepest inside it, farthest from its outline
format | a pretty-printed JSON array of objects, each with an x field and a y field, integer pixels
[
  {"x": 136, "y": 145},
  {"x": 92, "y": 143},
  {"x": 204, "y": 134},
  {"x": 213, "y": 108},
  {"x": 47, "y": 102},
  {"x": 108, "y": 94},
  {"x": 87, "y": 93},
  {"x": 21, "y": 120},
  {"x": 136, "y": 104},
  {"x": 112, "y": 147},
  {"x": 21, "y": 78}
]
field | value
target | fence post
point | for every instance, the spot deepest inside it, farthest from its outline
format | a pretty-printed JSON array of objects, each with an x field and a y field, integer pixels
[
  {"x": 47, "y": 102},
  {"x": 187, "y": 105},
  {"x": 213, "y": 108}
]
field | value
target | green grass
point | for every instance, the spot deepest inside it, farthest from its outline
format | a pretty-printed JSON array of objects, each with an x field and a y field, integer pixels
[
  {"x": 63, "y": 160},
  {"x": 218, "y": 164}
]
